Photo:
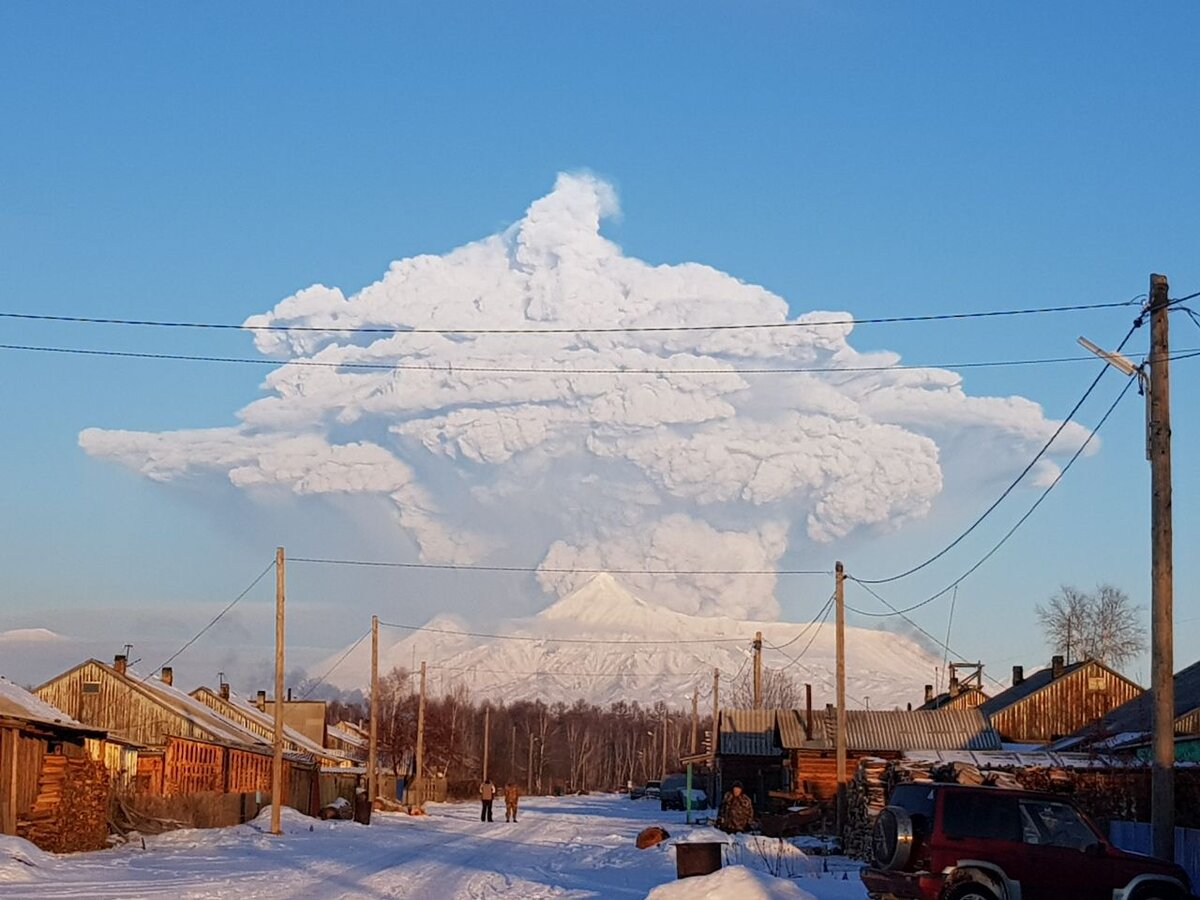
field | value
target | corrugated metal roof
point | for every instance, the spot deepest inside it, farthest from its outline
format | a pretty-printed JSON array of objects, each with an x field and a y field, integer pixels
[
  {"x": 748, "y": 732},
  {"x": 897, "y": 730},
  {"x": 1031, "y": 685},
  {"x": 792, "y": 732}
]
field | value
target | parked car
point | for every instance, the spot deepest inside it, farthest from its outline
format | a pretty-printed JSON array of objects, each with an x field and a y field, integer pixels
[
  {"x": 653, "y": 790},
  {"x": 964, "y": 842},
  {"x": 674, "y": 792}
]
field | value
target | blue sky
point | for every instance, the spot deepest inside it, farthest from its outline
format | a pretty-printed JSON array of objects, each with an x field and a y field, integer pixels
[{"x": 167, "y": 161}]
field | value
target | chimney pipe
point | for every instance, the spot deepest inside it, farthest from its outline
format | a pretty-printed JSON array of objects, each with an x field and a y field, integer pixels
[
  {"x": 119, "y": 663},
  {"x": 289, "y": 695},
  {"x": 808, "y": 731},
  {"x": 1018, "y": 675},
  {"x": 167, "y": 676},
  {"x": 262, "y": 700},
  {"x": 1056, "y": 667},
  {"x": 955, "y": 687},
  {"x": 929, "y": 693},
  {"x": 224, "y": 690}
]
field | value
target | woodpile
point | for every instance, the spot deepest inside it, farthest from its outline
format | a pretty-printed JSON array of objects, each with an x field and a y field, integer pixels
[{"x": 71, "y": 810}]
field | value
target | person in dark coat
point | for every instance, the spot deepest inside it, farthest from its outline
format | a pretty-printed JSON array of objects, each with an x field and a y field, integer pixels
[
  {"x": 487, "y": 792},
  {"x": 737, "y": 811}
]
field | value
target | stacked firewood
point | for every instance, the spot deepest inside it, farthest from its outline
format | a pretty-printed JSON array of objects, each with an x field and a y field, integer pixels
[{"x": 71, "y": 809}]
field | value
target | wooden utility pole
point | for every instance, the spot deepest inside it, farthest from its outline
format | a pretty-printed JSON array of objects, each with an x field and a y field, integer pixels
[
  {"x": 419, "y": 763},
  {"x": 840, "y": 599},
  {"x": 695, "y": 718},
  {"x": 373, "y": 747},
  {"x": 277, "y": 756},
  {"x": 1162, "y": 663},
  {"x": 529, "y": 767},
  {"x": 716, "y": 722},
  {"x": 487, "y": 738},
  {"x": 664, "y": 746},
  {"x": 758, "y": 670}
]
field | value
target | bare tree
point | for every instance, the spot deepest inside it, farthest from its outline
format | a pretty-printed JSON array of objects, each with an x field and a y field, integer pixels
[
  {"x": 1103, "y": 625},
  {"x": 779, "y": 691}
]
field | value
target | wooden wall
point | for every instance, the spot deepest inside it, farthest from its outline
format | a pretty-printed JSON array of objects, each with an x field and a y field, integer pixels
[
  {"x": 1065, "y": 705},
  {"x": 815, "y": 771}
]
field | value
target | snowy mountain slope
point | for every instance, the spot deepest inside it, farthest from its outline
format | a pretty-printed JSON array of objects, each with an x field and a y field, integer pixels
[{"x": 575, "y": 649}]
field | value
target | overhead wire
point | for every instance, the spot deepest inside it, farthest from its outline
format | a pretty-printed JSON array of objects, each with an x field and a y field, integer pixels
[
  {"x": 612, "y": 329},
  {"x": 560, "y": 640},
  {"x": 471, "y": 567},
  {"x": 557, "y": 371},
  {"x": 320, "y": 681},
  {"x": 802, "y": 632},
  {"x": 996, "y": 547},
  {"x": 1012, "y": 486}
]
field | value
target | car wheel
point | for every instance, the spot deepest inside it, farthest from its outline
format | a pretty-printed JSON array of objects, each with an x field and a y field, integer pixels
[
  {"x": 1157, "y": 892},
  {"x": 970, "y": 892}
]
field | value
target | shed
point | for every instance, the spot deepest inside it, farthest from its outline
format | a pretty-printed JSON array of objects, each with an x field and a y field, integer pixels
[
  {"x": 749, "y": 751},
  {"x": 51, "y": 792},
  {"x": 887, "y": 734},
  {"x": 1057, "y": 701}
]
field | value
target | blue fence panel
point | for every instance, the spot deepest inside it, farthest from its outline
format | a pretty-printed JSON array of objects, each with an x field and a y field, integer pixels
[{"x": 1136, "y": 837}]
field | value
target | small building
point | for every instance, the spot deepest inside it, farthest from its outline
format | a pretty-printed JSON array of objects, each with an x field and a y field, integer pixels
[
  {"x": 1057, "y": 701},
  {"x": 348, "y": 741},
  {"x": 1129, "y": 725},
  {"x": 964, "y": 691},
  {"x": 791, "y": 755},
  {"x": 51, "y": 791}
]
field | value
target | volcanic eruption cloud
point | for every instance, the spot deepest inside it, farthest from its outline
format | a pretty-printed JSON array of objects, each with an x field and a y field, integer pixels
[{"x": 679, "y": 462}]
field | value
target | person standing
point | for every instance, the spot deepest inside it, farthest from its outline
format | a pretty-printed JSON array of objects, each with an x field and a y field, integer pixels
[
  {"x": 737, "y": 811},
  {"x": 487, "y": 792},
  {"x": 511, "y": 795}
]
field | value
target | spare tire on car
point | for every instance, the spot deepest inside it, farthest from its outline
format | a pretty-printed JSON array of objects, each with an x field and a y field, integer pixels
[{"x": 892, "y": 838}]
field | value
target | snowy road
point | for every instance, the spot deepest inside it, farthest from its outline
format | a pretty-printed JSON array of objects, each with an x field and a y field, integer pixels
[{"x": 572, "y": 847}]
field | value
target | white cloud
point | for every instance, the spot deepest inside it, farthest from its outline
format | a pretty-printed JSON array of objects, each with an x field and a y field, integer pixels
[{"x": 573, "y": 468}]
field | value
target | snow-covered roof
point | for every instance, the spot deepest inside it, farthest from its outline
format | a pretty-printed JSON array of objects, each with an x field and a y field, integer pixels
[
  {"x": 18, "y": 703},
  {"x": 248, "y": 708}
]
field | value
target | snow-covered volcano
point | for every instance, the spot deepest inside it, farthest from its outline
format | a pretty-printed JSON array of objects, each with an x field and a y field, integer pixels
[{"x": 579, "y": 648}]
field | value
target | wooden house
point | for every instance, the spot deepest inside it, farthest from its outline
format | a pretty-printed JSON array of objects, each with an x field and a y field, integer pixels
[
  {"x": 259, "y": 718},
  {"x": 350, "y": 742},
  {"x": 51, "y": 791},
  {"x": 1057, "y": 701},
  {"x": 189, "y": 748},
  {"x": 1129, "y": 725}
]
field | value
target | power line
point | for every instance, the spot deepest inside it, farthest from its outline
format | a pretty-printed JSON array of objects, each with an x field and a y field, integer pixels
[
  {"x": 216, "y": 618},
  {"x": 466, "y": 567},
  {"x": 557, "y": 371},
  {"x": 320, "y": 681},
  {"x": 473, "y": 669},
  {"x": 1016, "y": 481},
  {"x": 1021, "y": 521},
  {"x": 803, "y": 631},
  {"x": 823, "y": 618},
  {"x": 901, "y": 614},
  {"x": 616, "y": 329},
  {"x": 560, "y": 640}
]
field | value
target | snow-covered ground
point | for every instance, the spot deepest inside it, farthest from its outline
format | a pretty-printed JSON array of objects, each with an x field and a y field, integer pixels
[{"x": 573, "y": 847}]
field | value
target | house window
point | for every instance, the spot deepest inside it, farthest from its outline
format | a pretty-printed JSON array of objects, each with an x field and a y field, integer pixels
[
  {"x": 1095, "y": 684},
  {"x": 91, "y": 687}
]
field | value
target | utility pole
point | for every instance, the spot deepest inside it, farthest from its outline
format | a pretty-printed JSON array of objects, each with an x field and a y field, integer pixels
[
  {"x": 373, "y": 749},
  {"x": 487, "y": 738},
  {"x": 419, "y": 764},
  {"x": 277, "y": 755},
  {"x": 695, "y": 717},
  {"x": 716, "y": 722},
  {"x": 758, "y": 670},
  {"x": 840, "y": 599},
  {"x": 529, "y": 767},
  {"x": 664, "y": 746},
  {"x": 1162, "y": 663}
]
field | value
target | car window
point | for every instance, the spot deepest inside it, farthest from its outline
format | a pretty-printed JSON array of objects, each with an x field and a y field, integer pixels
[
  {"x": 1054, "y": 825},
  {"x": 967, "y": 814}
]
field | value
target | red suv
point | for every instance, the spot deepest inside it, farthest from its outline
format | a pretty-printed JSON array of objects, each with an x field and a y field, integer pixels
[{"x": 961, "y": 842}]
